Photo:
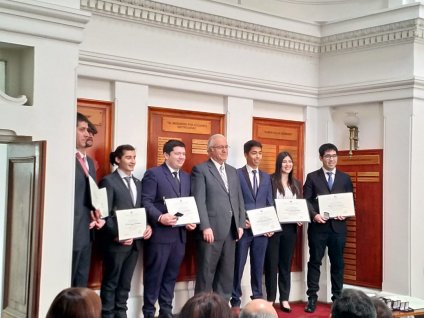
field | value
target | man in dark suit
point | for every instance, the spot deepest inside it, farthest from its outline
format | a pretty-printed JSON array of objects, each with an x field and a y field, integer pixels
[
  {"x": 165, "y": 250},
  {"x": 257, "y": 193},
  {"x": 120, "y": 257},
  {"x": 324, "y": 232},
  {"x": 84, "y": 218},
  {"x": 216, "y": 188}
]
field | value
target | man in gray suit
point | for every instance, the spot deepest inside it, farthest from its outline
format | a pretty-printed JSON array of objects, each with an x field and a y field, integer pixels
[{"x": 216, "y": 188}]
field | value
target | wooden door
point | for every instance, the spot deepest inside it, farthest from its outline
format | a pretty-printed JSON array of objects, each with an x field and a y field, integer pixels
[
  {"x": 194, "y": 129},
  {"x": 23, "y": 230},
  {"x": 363, "y": 251},
  {"x": 277, "y": 136},
  {"x": 100, "y": 114}
]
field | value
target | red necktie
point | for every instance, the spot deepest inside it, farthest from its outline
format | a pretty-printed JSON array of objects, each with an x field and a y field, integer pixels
[{"x": 82, "y": 162}]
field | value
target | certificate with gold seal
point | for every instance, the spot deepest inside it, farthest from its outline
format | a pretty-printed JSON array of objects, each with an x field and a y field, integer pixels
[
  {"x": 292, "y": 210},
  {"x": 263, "y": 220},
  {"x": 131, "y": 223},
  {"x": 338, "y": 204},
  {"x": 185, "y": 209}
]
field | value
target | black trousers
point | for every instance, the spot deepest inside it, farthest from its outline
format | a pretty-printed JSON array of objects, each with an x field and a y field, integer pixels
[
  {"x": 278, "y": 260},
  {"x": 118, "y": 269},
  {"x": 81, "y": 266},
  {"x": 318, "y": 242}
]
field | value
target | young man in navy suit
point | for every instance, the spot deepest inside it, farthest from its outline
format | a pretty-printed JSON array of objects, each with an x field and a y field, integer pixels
[
  {"x": 257, "y": 193},
  {"x": 166, "y": 248},
  {"x": 323, "y": 232}
]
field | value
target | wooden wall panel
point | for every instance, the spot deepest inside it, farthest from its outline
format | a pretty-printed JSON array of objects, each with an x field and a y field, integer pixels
[
  {"x": 277, "y": 136},
  {"x": 363, "y": 252}
]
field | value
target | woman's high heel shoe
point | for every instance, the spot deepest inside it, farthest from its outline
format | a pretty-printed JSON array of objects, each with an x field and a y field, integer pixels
[{"x": 285, "y": 309}]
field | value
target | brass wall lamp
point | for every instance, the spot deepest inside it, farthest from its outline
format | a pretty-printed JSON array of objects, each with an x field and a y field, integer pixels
[{"x": 352, "y": 121}]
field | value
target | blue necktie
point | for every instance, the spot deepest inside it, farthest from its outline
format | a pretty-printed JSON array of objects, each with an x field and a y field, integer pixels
[{"x": 330, "y": 180}]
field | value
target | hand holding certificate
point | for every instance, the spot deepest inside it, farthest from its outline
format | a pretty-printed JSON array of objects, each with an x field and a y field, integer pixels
[
  {"x": 292, "y": 210},
  {"x": 339, "y": 204},
  {"x": 263, "y": 220},
  {"x": 98, "y": 198},
  {"x": 131, "y": 223},
  {"x": 185, "y": 209}
]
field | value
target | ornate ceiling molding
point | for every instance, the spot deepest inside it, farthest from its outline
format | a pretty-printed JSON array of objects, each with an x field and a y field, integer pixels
[
  {"x": 164, "y": 15},
  {"x": 151, "y": 12}
]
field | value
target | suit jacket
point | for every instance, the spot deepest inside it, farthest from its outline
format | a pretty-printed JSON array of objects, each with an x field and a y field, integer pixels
[
  {"x": 119, "y": 198},
  {"x": 315, "y": 185},
  {"x": 263, "y": 197},
  {"x": 217, "y": 206},
  {"x": 82, "y": 206},
  {"x": 159, "y": 183}
]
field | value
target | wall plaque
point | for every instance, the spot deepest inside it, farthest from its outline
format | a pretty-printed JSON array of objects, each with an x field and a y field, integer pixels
[
  {"x": 186, "y": 125},
  {"x": 199, "y": 146},
  {"x": 275, "y": 132}
]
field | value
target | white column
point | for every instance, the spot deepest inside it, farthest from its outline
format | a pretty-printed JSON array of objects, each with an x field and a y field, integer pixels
[
  {"x": 397, "y": 173},
  {"x": 130, "y": 126},
  {"x": 239, "y": 113},
  {"x": 417, "y": 201}
]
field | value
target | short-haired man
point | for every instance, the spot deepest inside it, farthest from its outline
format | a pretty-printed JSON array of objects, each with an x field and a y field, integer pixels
[
  {"x": 353, "y": 303},
  {"x": 92, "y": 130},
  {"x": 257, "y": 193},
  {"x": 216, "y": 188},
  {"x": 166, "y": 248},
  {"x": 84, "y": 218},
  {"x": 323, "y": 232},
  {"x": 258, "y": 308}
]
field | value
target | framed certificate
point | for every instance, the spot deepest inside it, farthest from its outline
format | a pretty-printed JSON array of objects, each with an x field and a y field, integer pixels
[
  {"x": 292, "y": 210},
  {"x": 131, "y": 223},
  {"x": 339, "y": 204},
  {"x": 185, "y": 209},
  {"x": 98, "y": 198},
  {"x": 263, "y": 220}
]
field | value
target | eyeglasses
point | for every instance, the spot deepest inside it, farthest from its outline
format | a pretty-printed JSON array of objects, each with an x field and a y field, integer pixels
[
  {"x": 221, "y": 147},
  {"x": 330, "y": 157}
]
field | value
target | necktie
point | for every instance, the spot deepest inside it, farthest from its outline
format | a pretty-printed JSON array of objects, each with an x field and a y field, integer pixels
[
  {"x": 330, "y": 180},
  {"x": 177, "y": 181},
  {"x": 223, "y": 176},
  {"x": 128, "y": 180},
  {"x": 82, "y": 162},
  {"x": 255, "y": 182}
]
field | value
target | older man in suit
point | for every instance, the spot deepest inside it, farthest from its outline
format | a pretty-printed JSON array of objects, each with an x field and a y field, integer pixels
[
  {"x": 324, "y": 232},
  {"x": 85, "y": 219},
  {"x": 216, "y": 188},
  {"x": 165, "y": 250},
  {"x": 257, "y": 193}
]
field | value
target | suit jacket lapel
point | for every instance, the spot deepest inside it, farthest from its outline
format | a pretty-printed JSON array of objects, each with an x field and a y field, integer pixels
[
  {"x": 170, "y": 178},
  {"x": 246, "y": 177},
  {"x": 324, "y": 180},
  {"x": 123, "y": 187}
]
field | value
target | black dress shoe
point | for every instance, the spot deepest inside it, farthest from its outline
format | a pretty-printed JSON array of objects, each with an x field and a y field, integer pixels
[
  {"x": 311, "y": 305},
  {"x": 285, "y": 309}
]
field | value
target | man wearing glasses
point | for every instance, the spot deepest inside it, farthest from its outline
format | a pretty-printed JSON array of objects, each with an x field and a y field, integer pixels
[
  {"x": 216, "y": 189},
  {"x": 324, "y": 232}
]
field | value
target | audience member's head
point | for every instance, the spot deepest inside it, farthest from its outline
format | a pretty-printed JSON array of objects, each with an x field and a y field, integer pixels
[
  {"x": 258, "y": 308},
  {"x": 205, "y": 305},
  {"x": 353, "y": 304},
  {"x": 383, "y": 311},
  {"x": 75, "y": 303}
]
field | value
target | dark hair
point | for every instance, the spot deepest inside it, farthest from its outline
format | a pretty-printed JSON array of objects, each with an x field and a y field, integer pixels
[
  {"x": 75, "y": 302},
  {"x": 169, "y": 146},
  {"x": 92, "y": 128},
  {"x": 119, "y": 152},
  {"x": 327, "y": 147},
  {"x": 353, "y": 303},
  {"x": 383, "y": 311},
  {"x": 205, "y": 305},
  {"x": 276, "y": 176},
  {"x": 250, "y": 144},
  {"x": 82, "y": 118}
]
